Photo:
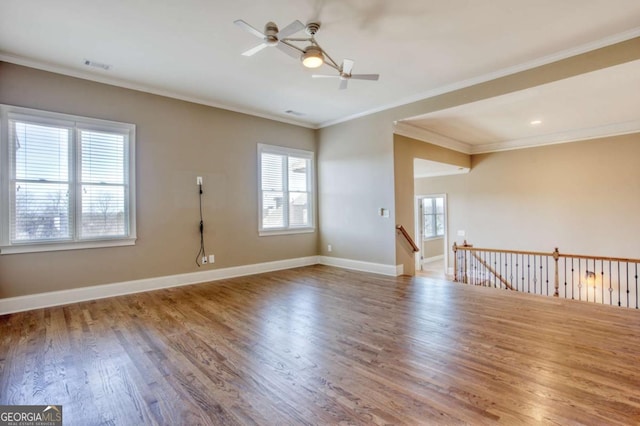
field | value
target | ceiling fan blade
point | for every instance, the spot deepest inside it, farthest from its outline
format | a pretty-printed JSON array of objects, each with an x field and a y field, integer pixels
[
  {"x": 248, "y": 28},
  {"x": 290, "y": 29},
  {"x": 347, "y": 66},
  {"x": 324, "y": 76},
  {"x": 291, "y": 51},
  {"x": 254, "y": 50},
  {"x": 343, "y": 84},
  {"x": 365, "y": 76}
]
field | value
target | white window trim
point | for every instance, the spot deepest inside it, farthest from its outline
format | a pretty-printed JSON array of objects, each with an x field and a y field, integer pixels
[
  {"x": 433, "y": 198},
  {"x": 78, "y": 122},
  {"x": 280, "y": 150}
]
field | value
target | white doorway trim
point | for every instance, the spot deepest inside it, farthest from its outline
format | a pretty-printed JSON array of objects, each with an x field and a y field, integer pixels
[{"x": 418, "y": 230}]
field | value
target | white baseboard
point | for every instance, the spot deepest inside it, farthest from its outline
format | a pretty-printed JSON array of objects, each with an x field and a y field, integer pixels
[
  {"x": 358, "y": 265},
  {"x": 432, "y": 259},
  {"x": 63, "y": 297}
]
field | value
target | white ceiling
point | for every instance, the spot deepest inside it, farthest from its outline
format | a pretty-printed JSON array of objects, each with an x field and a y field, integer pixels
[
  {"x": 600, "y": 103},
  {"x": 191, "y": 49}
]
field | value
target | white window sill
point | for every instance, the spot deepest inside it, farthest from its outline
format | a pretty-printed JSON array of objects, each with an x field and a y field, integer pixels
[
  {"x": 433, "y": 238},
  {"x": 59, "y": 246},
  {"x": 266, "y": 233}
]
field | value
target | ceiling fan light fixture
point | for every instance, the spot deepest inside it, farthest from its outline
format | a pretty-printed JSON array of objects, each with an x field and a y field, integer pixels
[{"x": 312, "y": 57}]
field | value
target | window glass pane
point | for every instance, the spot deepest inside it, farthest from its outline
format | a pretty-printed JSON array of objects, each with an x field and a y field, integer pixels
[
  {"x": 439, "y": 205},
  {"x": 298, "y": 209},
  {"x": 103, "y": 211},
  {"x": 272, "y": 209},
  {"x": 41, "y": 152},
  {"x": 271, "y": 166},
  {"x": 439, "y": 224},
  {"x": 427, "y": 205},
  {"x": 429, "y": 226},
  {"x": 41, "y": 212},
  {"x": 298, "y": 168},
  {"x": 103, "y": 157}
]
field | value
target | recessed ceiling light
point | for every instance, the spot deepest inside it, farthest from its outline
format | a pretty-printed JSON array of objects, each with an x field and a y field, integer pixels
[
  {"x": 535, "y": 122},
  {"x": 296, "y": 113}
]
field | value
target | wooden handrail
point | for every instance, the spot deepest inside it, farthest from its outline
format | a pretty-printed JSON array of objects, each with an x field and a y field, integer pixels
[
  {"x": 408, "y": 237},
  {"x": 533, "y": 253},
  {"x": 542, "y": 253}
]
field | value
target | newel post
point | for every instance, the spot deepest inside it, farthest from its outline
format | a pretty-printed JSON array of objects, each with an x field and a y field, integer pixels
[
  {"x": 455, "y": 262},
  {"x": 556, "y": 256}
]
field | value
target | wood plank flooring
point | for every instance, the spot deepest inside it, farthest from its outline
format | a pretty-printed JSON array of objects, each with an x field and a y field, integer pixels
[{"x": 319, "y": 345}]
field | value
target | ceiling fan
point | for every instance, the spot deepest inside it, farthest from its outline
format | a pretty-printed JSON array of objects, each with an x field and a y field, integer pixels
[
  {"x": 312, "y": 55},
  {"x": 345, "y": 74},
  {"x": 272, "y": 36}
]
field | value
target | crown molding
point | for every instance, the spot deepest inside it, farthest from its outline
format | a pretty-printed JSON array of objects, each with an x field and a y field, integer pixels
[
  {"x": 609, "y": 130},
  {"x": 409, "y": 130},
  {"x": 104, "y": 79}
]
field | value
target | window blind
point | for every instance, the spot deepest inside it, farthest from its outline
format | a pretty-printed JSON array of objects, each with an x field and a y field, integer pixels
[
  {"x": 286, "y": 188},
  {"x": 273, "y": 191},
  {"x": 40, "y": 183},
  {"x": 298, "y": 192},
  {"x": 104, "y": 178}
]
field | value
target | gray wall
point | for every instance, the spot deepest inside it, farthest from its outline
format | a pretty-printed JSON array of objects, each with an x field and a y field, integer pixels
[
  {"x": 176, "y": 141},
  {"x": 355, "y": 180}
]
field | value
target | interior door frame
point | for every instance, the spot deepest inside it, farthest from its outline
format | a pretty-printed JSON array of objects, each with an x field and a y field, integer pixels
[{"x": 418, "y": 230}]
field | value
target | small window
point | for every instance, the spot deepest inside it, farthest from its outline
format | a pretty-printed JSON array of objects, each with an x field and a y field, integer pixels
[
  {"x": 433, "y": 217},
  {"x": 67, "y": 182},
  {"x": 286, "y": 190}
]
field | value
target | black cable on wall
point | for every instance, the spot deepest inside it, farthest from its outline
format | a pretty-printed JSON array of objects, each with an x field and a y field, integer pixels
[{"x": 202, "y": 251}]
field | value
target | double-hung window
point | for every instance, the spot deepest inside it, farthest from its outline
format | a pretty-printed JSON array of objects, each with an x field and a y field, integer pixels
[
  {"x": 286, "y": 190},
  {"x": 67, "y": 181},
  {"x": 433, "y": 217}
]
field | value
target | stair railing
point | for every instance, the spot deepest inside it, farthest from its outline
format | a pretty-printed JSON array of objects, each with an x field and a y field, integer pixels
[
  {"x": 406, "y": 235},
  {"x": 605, "y": 280}
]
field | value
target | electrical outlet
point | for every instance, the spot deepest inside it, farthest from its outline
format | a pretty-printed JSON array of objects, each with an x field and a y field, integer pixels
[
  {"x": 212, "y": 258},
  {"x": 204, "y": 260},
  {"x": 199, "y": 180},
  {"x": 329, "y": 248}
]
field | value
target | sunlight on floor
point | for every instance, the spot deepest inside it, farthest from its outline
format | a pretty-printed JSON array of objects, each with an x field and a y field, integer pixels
[{"x": 433, "y": 269}]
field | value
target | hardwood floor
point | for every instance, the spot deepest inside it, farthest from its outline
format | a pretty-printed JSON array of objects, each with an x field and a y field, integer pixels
[
  {"x": 319, "y": 345},
  {"x": 434, "y": 269}
]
